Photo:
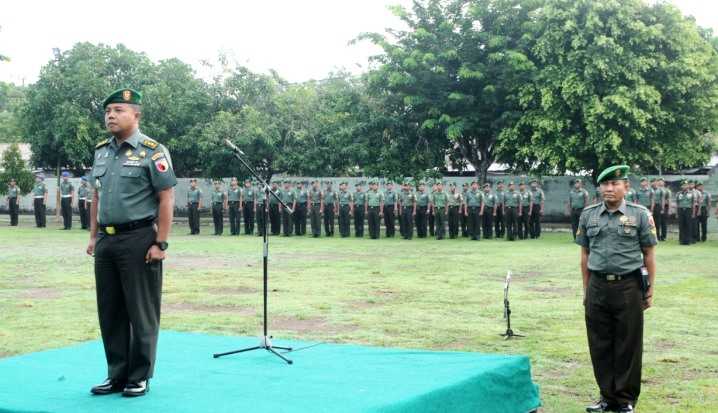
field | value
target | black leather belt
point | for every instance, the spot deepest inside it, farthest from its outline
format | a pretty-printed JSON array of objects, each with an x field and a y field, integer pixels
[
  {"x": 129, "y": 226},
  {"x": 615, "y": 277}
]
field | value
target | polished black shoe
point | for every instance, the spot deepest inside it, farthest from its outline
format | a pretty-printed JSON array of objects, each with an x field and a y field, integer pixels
[
  {"x": 626, "y": 408},
  {"x": 137, "y": 388},
  {"x": 108, "y": 386},
  {"x": 600, "y": 407}
]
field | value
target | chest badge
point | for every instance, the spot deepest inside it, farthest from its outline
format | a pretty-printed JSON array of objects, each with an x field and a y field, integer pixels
[
  {"x": 128, "y": 153},
  {"x": 143, "y": 154}
]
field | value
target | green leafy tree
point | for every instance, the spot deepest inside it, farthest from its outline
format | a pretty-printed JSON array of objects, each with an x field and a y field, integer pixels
[
  {"x": 13, "y": 167},
  {"x": 616, "y": 81},
  {"x": 11, "y": 100}
]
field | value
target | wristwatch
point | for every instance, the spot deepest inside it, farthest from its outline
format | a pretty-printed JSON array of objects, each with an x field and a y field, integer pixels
[{"x": 162, "y": 245}]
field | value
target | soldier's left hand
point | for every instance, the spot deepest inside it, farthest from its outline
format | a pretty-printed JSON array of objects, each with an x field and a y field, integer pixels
[
  {"x": 648, "y": 302},
  {"x": 154, "y": 254}
]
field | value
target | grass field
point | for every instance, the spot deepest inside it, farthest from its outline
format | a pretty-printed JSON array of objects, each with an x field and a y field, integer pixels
[{"x": 444, "y": 295}]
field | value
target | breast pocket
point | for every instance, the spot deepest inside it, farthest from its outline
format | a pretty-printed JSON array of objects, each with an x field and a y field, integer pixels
[
  {"x": 592, "y": 232},
  {"x": 98, "y": 176},
  {"x": 627, "y": 231},
  {"x": 132, "y": 179}
]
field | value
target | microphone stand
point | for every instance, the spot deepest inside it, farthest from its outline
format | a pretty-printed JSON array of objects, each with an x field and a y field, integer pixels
[
  {"x": 265, "y": 342},
  {"x": 509, "y": 334}
]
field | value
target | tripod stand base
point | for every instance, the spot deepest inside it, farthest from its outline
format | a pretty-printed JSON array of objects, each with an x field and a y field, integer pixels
[
  {"x": 264, "y": 344},
  {"x": 509, "y": 334}
]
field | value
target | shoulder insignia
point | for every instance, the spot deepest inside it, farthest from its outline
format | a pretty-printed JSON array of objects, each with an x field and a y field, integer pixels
[
  {"x": 102, "y": 143},
  {"x": 150, "y": 143},
  {"x": 157, "y": 156}
]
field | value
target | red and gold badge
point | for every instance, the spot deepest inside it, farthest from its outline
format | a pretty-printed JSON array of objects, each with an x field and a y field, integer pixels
[{"x": 162, "y": 165}]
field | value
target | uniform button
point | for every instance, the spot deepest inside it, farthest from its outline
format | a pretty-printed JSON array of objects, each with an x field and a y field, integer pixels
[{"x": 117, "y": 157}]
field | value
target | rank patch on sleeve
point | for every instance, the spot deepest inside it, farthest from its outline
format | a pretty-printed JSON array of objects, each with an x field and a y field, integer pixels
[{"x": 162, "y": 165}]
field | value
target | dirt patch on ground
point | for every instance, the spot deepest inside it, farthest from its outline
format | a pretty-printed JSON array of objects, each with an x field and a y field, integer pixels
[
  {"x": 39, "y": 293},
  {"x": 552, "y": 290},
  {"x": 232, "y": 290},
  {"x": 206, "y": 263},
  {"x": 309, "y": 325},
  {"x": 207, "y": 308},
  {"x": 663, "y": 345}
]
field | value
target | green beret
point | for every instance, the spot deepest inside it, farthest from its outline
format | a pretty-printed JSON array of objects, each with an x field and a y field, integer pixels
[
  {"x": 452, "y": 183},
  {"x": 643, "y": 178},
  {"x": 684, "y": 182},
  {"x": 533, "y": 180},
  {"x": 522, "y": 183},
  {"x": 577, "y": 180},
  {"x": 487, "y": 185},
  {"x": 511, "y": 182},
  {"x": 500, "y": 181},
  {"x": 616, "y": 172},
  {"x": 699, "y": 183},
  {"x": 123, "y": 96},
  {"x": 373, "y": 182},
  {"x": 465, "y": 184},
  {"x": 660, "y": 179}
]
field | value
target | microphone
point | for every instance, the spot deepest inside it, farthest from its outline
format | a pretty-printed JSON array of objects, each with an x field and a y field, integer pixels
[{"x": 233, "y": 147}]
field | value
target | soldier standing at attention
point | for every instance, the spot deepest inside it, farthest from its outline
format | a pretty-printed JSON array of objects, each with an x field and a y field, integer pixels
[
  {"x": 260, "y": 196},
  {"x": 577, "y": 201},
  {"x": 317, "y": 203},
  {"x": 390, "y": 208},
  {"x": 67, "y": 193},
  {"x": 407, "y": 210},
  {"x": 300, "y": 214},
  {"x": 500, "y": 221},
  {"x": 537, "y": 204},
  {"x": 684, "y": 212},
  {"x": 290, "y": 199},
  {"x": 82, "y": 202},
  {"x": 346, "y": 209},
  {"x": 455, "y": 208},
  {"x": 440, "y": 209},
  {"x": 330, "y": 209},
  {"x": 274, "y": 215},
  {"x": 359, "y": 210},
  {"x": 430, "y": 212},
  {"x": 658, "y": 202},
  {"x": 526, "y": 210},
  {"x": 617, "y": 240},
  {"x": 473, "y": 210},
  {"x": 234, "y": 200},
  {"x": 490, "y": 207},
  {"x": 249, "y": 205},
  {"x": 597, "y": 197},
  {"x": 219, "y": 204},
  {"x": 464, "y": 219},
  {"x": 13, "y": 201},
  {"x": 512, "y": 211},
  {"x": 194, "y": 204},
  {"x": 696, "y": 217},
  {"x": 645, "y": 195},
  {"x": 630, "y": 194},
  {"x": 667, "y": 195},
  {"x": 130, "y": 221},
  {"x": 373, "y": 209},
  {"x": 704, "y": 210},
  {"x": 422, "y": 206},
  {"x": 39, "y": 194}
]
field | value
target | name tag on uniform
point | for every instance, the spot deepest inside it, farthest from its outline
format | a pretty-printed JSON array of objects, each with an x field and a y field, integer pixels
[{"x": 132, "y": 163}]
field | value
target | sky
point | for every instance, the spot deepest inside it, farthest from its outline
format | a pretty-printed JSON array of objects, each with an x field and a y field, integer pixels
[{"x": 301, "y": 40}]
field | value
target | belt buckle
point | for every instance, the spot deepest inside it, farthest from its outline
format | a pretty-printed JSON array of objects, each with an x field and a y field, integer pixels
[
  {"x": 611, "y": 277},
  {"x": 110, "y": 230}
]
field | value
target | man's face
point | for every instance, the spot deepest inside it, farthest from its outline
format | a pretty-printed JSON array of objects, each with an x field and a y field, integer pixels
[
  {"x": 522, "y": 188},
  {"x": 12, "y": 182},
  {"x": 474, "y": 186},
  {"x": 193, "y": 184},
  {"x": 613, "y": 190},
  {"x": 577, "y": 184},
  {"x": 439, "y": 187},
  {"x": 121, "y": 118},
  {"x": 487, "y": 189},
  {"x": 64, "y": 179},
  {"x": 217, "y": 185},
  {"x": 534, "y": 186},
  {"x": 342, "y": 187},
  {"x": 316, "y": 185},
  {"x": 247, "y": 184},
  {"x": 286, "y": 186},
  {"x": 274, "y": 185},
  {"x": 389, "y": 187},
  {"x": 644, "y": 184},
  {"x": 684, "y": 187},
  {"x": 512, "y": 187},
  {"x": 501, "y": 187}
]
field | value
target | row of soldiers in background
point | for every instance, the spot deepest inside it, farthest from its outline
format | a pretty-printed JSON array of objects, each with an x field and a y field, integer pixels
[
  {"x": 66, "y": 192},
  {"x": 693, "y": 206},
  {"x": 515, "y": 213}
]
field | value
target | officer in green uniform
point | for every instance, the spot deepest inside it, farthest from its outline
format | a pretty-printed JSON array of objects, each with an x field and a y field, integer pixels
[
  {"x": 617, "y": 255},
  {"x": 577, "y": 201},
  {"x": 359, "y": 210},
  {"x": 219, "y": 204},
  {"x": 374, "y": 209},
  {"x": 234, "y": 200},
  {"x": 474, "y": 210},
  {"x": 346, "y": 209},
  {"x": 490, "y": 209},
  {"x": 645, "y": 195},
  {"x": 694, "y": 221},
  {"x": 194, "y": 205},
  {"x": 422, "y": 207},
  {"x": 130, "y": 220},
  {"x": 440, "y": 209},
  {"x": 526, "y": 210},
  {"x": 407, "y": 209},
  {"x": 430, "y": 218},
  {"x": 704, "y": 210},
  {"x": 300, "y": 214},
  {"x": 317, "y": 205},
  {"x": 658, "y": 202},
  {"x": 512, "y": 211},
  {"x": 631, "y": 194},
  {"x": 597, "y": 197},
  {"x": 464, "y": 219},
  {"x": 685, "y": 211},
  {"x": 390, "y": 207},
  {"x": 82, "y": 192},
  {"x": 249, "y": 205},
  {"x": 667, "y": 196},
  {"x": 259, "y": 209},
  {"x": 67, "y": 192},
  {"x": 275, "y": 218},
  {"x": 39, "y": 194},
  {"x": 455, "y": 203},
  {"x": 538, "y": 199},
  {"x": 500, "y": 221},
  {"x": 290, "y": 199},
  {"x": 329, "y": 208},
  {"x": 13, "y": 201}
]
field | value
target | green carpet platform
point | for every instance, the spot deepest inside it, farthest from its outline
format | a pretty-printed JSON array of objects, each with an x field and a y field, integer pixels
[{"x": 324, "y": 378}]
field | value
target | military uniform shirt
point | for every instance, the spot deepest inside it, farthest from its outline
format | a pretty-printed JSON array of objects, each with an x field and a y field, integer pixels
[
  {"x": 234, "y": 194},
  {"x": 455, "y": 199},
  {"x": 659, "y": 196},
  {"x": 360, "y": 198},
  {"x": 645, "y": 197},
  {"x": 273, "y": 200},
  {"x": 489, "y": 200},
  {"x": 474, "y": 198},
  {"x": 577, "y": 198},
  {"x": 390, "y": 197},
  {"x": 615, "y": 239},
  {"x": 39, "y": 189},
  {"x": 288, "y": 196},
  {"x": 249, "y": 195},
  {"x": 128, "y": 177},
  {"x": 512, "y": 199},
  {"x": 525, "y": 198},
  {"x": 217, "y": 196},
  {"x": 706, "y": 200},
  {"x": 12, "y": 192},
  {"x": 316, "y": 196},
  {"x": 422, "y": 199},
  {"x": 82, "y": 192},
  {"x": 500, "y": 197},
  {"x": 330, "y": 197},
  {"x": 374, "y": 198},
  {"x": 439, "y": 199},
  {"x": 66, "y": 188},
  {"x": 194, "y": 195},
  {"x": 302, "y": 196},
  {"x": 345, "y": 197},
  {"x": 630, "y": 195},
  {"x": 685, "y": 199},
  {"x": 537, "y": 196},
  {"x": 259, "y": 196},
  {"x": 407, "y": 198}
]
